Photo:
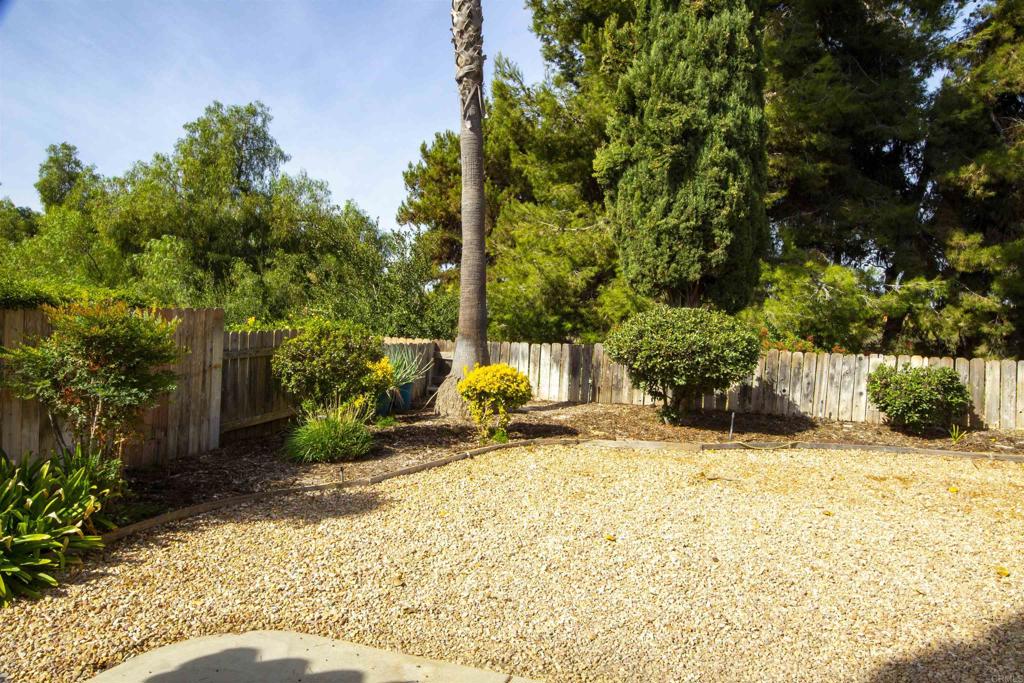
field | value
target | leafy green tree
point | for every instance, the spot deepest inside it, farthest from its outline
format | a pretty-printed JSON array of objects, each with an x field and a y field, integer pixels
[
  {"x": 63, "y": 177},
  {"x": 555, "y": 277},
  {"x": 16, "y": 222},
  {"x": 432, "y": 200},
  {"x": 574, "y": 33},
  {"x": 829, "y": 305},
  {"x": 685, "y": 167},
  {"x": 66, "y": 248},
  {"x": 975, "y": 158}
]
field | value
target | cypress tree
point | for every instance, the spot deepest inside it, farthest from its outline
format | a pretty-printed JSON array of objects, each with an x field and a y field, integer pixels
[{"x": 685, "y": 166}]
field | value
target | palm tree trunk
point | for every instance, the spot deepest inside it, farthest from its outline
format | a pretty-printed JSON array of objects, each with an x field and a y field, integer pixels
[{"x": 471, "y": 342}]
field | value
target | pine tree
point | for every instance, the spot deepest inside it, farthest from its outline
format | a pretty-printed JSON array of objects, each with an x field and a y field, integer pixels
[
  {"x": 975, "y": 158},
  {"x": 845, "y": 105},
  {"x": 685, "y": 167}
]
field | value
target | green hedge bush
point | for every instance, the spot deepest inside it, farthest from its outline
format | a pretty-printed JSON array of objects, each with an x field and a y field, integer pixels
[
  {"x": 679, "y": 354},
  {"x": 45, "y": 514},
  {"x": 915, "y": 398},
  {"x": 329, "y": 361}
]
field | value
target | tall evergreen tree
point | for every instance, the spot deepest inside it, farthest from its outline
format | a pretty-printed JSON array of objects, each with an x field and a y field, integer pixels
[
  {"x": 975, "y": 160},
  {"x": 845, "y": 108},
  {"x": 685, "y": 167}
]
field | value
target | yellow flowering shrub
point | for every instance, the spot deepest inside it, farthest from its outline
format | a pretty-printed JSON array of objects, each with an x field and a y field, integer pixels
[
  {"x": 492, "y": 392},
  {"x": 380, "y": 376}
]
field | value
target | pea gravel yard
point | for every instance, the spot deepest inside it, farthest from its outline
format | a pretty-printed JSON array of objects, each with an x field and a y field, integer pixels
[{"x": 588, "y": 564}]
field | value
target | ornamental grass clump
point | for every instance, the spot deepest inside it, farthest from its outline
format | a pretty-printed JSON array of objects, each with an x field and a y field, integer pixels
[
  {"x": 915, "y": 398},
  {"x": 337, "y": 434},
  {"x": 679, "y": 354},
  {"x": 492, "y": 392}
]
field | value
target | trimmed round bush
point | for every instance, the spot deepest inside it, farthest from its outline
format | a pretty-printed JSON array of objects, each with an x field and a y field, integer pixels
[
  {"x": 334, "y": 437},
  {"x": 678, "y": 354},
  {"x": 492, "y": 392},
  {"x": 330, "y": 361},
  {"x": 915, "y": 398}
]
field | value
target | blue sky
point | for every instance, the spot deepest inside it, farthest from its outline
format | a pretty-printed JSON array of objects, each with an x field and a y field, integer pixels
[{"x": 354, "y": 85}]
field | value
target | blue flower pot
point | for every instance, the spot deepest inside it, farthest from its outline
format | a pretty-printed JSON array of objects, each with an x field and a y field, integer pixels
[
  {"x": 384, "y": 405},
  {"x": 405, "y": 396}
]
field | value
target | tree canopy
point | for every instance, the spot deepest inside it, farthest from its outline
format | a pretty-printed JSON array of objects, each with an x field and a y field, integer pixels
[{"x": 888, "y": 217}]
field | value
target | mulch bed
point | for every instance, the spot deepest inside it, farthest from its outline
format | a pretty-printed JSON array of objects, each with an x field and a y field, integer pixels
[{"x": 255, "y": 464}]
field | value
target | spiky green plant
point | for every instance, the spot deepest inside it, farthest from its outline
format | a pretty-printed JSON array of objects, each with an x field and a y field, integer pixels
[
  {"x": 338, "y": 433},
  {"x": 45, "y": 513}
]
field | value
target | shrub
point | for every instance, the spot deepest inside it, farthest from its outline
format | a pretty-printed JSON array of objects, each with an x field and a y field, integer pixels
[
  {"x": 492, "y": 392},
  {"x": 329, "y": 361},
  {"x": 96, "y": 372},
  {"x": 914, "y": 398},
  {"x": 678, "y": 354},
  {"x": 44, "y": 514},
  {"x": 18, "y": 293},
  {"x": 338, "y": 434}
]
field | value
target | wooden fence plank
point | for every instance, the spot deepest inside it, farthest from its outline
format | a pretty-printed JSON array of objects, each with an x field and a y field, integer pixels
[
  {"x": 757, "y": 387},
  {"x": 860, "y": 388},
  {"x": 555, "y": 370},
  {"x": 535, "y": 369},
  {"x": 14, "y": 326},
  {"x": 977, "y": 388},
  {"x": 31, "y": 412},
  {"x": 846, "y": 388},
  {"x": 835, "y": 372},
  {"x": 545, "y": 372},
  {"x": 572, "y": 388},
  {"x": 821, "y": 385},
  {"x": 782, "y": 384},
  {"x": 1008, "y": 394},
  {"x": 796, "y": 383},
  {"x": 770, "y": 388},
  {"x": 807, "y": 390},
  {"x": 1020, "y": 394},
  {"x": 604, "y": 390},
  {"x": 992, "y": 388}
]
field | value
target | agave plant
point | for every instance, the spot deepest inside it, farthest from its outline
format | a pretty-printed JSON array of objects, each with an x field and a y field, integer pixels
[
  {"x": 407, "y": 367},
  {"x": 44, "y": 516}
]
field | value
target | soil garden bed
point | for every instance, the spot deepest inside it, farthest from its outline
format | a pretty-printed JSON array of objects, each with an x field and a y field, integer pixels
[{"x": 256, "y": 465}]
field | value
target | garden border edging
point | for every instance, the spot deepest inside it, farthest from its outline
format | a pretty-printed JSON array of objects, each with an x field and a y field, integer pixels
[{"x": 210, "y": 506}]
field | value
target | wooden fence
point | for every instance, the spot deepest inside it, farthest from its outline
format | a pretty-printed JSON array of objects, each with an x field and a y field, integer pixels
[
  {"x": 824, "y": 386},
  {"x": 183, "y": 422},
  {"x": 226, "y": 384},
  {"x": 250, "y": 395}
]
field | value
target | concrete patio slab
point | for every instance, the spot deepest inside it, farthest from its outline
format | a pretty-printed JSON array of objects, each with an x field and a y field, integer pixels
[{"x": 286, "y": 657}]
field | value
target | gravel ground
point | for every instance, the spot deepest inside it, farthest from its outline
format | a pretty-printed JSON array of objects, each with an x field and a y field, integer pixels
[
  {"x": 255, "y": 464},
  {"x": 580, "y": 563}
]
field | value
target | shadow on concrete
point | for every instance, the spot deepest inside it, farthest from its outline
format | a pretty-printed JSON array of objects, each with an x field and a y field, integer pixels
[
  {"x": 997, "y": 657},
  {"x": 235, "y": 665}
]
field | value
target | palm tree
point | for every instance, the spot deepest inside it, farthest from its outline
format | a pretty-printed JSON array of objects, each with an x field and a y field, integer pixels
[{"x": 471, "y": 342}]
